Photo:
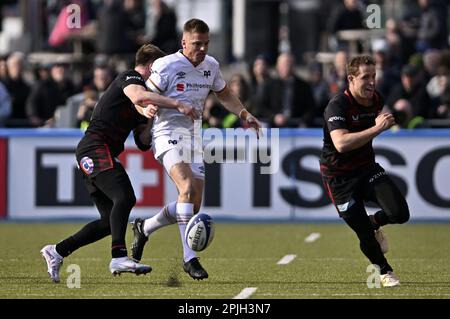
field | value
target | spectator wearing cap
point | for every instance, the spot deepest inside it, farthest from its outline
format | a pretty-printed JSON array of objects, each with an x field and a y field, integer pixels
[{"x": 413, "y": 90}]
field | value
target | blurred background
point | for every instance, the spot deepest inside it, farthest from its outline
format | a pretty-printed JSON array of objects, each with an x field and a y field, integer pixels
[
  {"x": 283, "y": 59},
  {"x": 57, "y": 57}
]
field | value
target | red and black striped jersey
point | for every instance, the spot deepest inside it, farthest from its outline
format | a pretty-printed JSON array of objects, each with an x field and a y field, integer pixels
[
  {"x": 114, "y": 116},
  {"x": 344, "y": 112}
]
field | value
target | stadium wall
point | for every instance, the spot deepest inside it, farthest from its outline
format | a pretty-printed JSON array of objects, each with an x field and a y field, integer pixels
[{"x": 40, "y": 180}]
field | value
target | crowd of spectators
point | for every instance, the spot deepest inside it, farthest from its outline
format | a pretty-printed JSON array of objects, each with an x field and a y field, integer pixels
[{"x": 413, "y": 69}]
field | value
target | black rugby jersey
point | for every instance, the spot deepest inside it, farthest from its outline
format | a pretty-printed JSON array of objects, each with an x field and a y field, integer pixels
[
  {"x": 114, "y": 116},
  {"x": 343, "y": 112}
]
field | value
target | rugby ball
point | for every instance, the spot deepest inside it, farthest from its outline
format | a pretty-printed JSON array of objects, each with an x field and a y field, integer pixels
[{"x": 199, "y": 232}]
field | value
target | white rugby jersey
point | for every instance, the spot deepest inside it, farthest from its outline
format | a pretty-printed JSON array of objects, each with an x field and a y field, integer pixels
[{"x": 176, "y": 77}]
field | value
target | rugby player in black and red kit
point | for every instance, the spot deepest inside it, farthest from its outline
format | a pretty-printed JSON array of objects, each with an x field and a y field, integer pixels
[
  {"x": 349, "y": 171},
  {"x": 109, "y": 186}
]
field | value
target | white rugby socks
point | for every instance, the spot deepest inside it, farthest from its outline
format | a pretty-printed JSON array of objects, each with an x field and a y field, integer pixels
[
  {"x": 185, "y": 211},
  {"x": 166, "y": 216}
]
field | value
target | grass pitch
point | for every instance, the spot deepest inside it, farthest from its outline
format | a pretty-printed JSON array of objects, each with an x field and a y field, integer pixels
[{"x": 241, "y": 256}]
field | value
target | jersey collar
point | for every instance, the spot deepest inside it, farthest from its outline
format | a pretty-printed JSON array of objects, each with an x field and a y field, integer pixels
[{"x": 180, "y": 54}]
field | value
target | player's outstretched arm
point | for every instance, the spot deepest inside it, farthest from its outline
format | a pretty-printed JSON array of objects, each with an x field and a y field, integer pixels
[
  {"x": 143, "y": 98},
  {"x": 234, "y": 105}
]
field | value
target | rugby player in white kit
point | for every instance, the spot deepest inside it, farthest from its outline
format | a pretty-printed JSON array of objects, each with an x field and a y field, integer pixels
[{"x": 188, "y": 76}]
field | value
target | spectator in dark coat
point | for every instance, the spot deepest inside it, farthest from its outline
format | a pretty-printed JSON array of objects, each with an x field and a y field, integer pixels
[
  {"x": 291, "y": 98},
  {"x": 433, "y": 31},
  {"x": 49, "y": 92},
  {"x": 18, "y": 89},
  {"x": 412, "y": 90},
  {"x": 163, "y": 27}
]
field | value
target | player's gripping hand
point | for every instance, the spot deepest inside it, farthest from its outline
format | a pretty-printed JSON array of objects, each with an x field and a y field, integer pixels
[
  {"x": 150, "y": 111},
  {"x": 247, "y": 117},
  {"x": 188, "y": 110},
  {"x": 384, "y": 121}
]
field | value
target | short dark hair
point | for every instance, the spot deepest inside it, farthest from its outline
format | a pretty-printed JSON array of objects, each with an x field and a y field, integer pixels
[
  {"x": 356, "y": 62},
  {"x": 148, "y": 53},
  {"x": 196, "y": 26}
]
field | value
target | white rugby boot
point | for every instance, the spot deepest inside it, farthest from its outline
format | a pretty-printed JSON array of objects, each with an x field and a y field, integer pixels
[
  {"x": 389, "y": 280},
  {"x": 126, "y": 264},
  {"x": 53, "y": 260}
]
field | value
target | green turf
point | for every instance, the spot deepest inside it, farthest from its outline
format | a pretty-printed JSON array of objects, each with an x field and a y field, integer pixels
[{"x": 241, "y": 255}]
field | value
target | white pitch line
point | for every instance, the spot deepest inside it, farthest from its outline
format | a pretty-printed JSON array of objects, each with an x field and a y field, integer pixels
[
  {"x": 246, "y": 293},
  {"x": 312, "y": 237},
  {"x": 286, "y": 259}
]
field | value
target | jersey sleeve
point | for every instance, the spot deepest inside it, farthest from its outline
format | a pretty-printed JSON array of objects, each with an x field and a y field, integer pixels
[
  {"x": 158, "y": 80},
  {"x": 141, "y": 121},
  {"x": 335, "y": 115},
  {"x": 131, "y": 77},
  {"x": 219, "y": 83}
]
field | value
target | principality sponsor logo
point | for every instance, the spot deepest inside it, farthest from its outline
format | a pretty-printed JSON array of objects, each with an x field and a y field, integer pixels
[
  {"x": 198, "y": 86},
  {"x": 180, "y": 87},
  {"x": 87, "y": 165},
  {"x": 336, "y": 118}
]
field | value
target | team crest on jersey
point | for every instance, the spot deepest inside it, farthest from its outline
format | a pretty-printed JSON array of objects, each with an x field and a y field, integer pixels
[
  {"x": 180, "y": 87},
  {"x": 207, "y": 74},
  {"x": 87, "y": 165},
  {"x": 180, "y": 75}
]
